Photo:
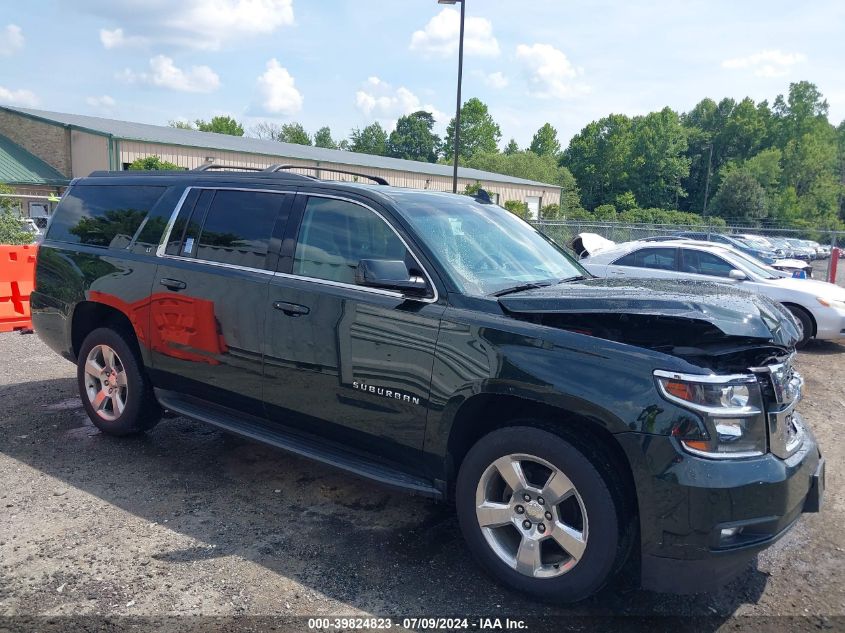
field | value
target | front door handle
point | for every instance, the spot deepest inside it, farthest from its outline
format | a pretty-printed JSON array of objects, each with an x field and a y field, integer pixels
[
  {"x": 173, "y": 284},
  {"x": 291, "y": 309}
]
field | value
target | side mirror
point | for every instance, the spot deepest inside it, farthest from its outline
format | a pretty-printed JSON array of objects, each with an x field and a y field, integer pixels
[
  {"x": 737, "y": 275},
  {"x": 388, "y": 274}
]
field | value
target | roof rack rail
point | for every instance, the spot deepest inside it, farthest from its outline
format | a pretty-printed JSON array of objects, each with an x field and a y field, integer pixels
[
  {"x": 214, "y": 166},
  {"x": 280, "y": 167}
]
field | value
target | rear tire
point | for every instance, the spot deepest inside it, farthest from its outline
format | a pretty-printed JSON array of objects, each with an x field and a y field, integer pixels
[
  {"x": 806, "y": 322},
  {"x": 113, "y": 386},
  {"x": 555, "y": 541}
]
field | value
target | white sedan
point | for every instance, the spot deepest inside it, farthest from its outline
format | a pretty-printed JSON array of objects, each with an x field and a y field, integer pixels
[{"x": 818, "y": 305}]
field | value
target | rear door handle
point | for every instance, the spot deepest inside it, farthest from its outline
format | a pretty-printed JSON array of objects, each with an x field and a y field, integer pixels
[
  {"x": 173, "y": 284},
  {"x": 291, "y": 309}
]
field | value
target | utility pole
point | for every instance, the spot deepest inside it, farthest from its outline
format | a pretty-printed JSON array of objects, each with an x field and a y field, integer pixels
[{"x": 707, "y": 184}]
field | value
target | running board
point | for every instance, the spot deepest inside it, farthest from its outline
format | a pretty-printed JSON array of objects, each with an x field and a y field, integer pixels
[{"x": 320, "y": 451}]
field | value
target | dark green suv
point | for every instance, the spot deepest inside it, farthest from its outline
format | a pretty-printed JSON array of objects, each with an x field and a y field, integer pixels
[{"x": 439, "y": 344}]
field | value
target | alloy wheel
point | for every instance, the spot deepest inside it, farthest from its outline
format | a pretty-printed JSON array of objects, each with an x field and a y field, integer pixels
[
  {"x": 105, "y": 382},
  {"x": 531, "y": 516}
]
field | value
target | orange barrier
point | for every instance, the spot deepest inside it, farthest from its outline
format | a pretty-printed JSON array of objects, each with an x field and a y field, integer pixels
[{"x": 17, "y": 279}]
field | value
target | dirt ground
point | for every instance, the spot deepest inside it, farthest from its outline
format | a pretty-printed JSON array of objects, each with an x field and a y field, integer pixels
[{"x": 187, "y": 520}]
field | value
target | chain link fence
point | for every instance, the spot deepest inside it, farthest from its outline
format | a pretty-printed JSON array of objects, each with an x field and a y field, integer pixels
[{"x": 564, "y": 231}]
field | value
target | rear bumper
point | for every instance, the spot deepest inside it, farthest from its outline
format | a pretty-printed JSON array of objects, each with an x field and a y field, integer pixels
[{"x": 702, "y": 521}]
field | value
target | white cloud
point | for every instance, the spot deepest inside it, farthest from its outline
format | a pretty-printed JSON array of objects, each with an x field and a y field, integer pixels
[
  {"x": 104, "y": 101},
  {"x": 277, "y": 89},
  {"x": 165, "y": 74},
  {"x": 767, "y": 63},
  {"x": 549, "y": 72},
  {"x": 496, "y": 80},
  {"x": 25, "y": 98},
  {"x": 116, "y": 38},
  {"x": 440, "y": 36},
  {"x": 379, "y": 99},
  {"x": 203, "y": 24},
  {"x": 11, "y": 39}
]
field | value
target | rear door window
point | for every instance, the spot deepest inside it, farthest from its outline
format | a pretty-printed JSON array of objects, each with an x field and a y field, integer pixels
[
  {"x": 703, "y": 263},
  {"x": 237, "y": 229},
  {"x": 107, "y": 216},
  {"x": 656, "y": 258}
]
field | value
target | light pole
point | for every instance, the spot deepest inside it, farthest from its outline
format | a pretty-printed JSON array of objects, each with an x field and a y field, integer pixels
[{"x": 460, "y": 78}]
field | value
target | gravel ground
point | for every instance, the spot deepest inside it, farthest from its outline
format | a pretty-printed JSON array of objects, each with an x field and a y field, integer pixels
[{"x": 187, "y": 520}]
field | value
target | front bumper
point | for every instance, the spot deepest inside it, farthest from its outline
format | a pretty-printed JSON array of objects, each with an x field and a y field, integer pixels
[
  {"x": 830, "y": 323},
  {"x": 702, "y": 521}
]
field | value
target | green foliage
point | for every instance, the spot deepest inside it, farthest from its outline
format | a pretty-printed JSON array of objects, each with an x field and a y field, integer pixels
[
  {"x": 471, "y": 190},
  {"x": 790, "y": 150},
  {"x": 551, "y": 212},
  {"x": 323, "y": 138},
  {"x": 518, "y": 208},
  {"x": 605, "y": 212},
  {"x": 740, "y": 197},
  {"x": 479, "y": 132},
  {"x": 101, "y": 230},
  {"x": 511, "y": 147},
  {"x": 530, "y": 166},
  {"x": 626, "y": 201},
  {"x": 371, "y": 140},
  {"x": 545, "y": 142},
  {"x": 413, "y": 138},
  {"x": 220, "y": 125},
  {"x": 11, "y": 228},
  {"x": 294, "y": 133},
  {"x": 153, "y": 163}
]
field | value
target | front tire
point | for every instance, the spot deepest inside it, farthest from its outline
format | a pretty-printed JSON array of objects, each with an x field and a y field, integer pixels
[
  {"x": 114, "y": 389},
  {"x": 806, "y": 321},
  {"x": 537, "y": 514}
]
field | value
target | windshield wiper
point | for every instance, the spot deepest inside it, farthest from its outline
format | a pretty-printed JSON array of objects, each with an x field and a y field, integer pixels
[
  {"x": 568, "y": 279},
  {"x": 520, "y": 288}
]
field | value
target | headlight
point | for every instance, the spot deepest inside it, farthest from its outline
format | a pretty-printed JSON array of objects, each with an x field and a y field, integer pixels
[
  {"x": 730, "y": 408},
  {"x": 831, "y": 303}
]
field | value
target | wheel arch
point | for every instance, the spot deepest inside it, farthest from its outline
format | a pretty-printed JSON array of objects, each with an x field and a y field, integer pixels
[
  {"x": 482, "y": 413},
  {"x": 790, "y": 305},
  {"x": 89, "y": 315}
]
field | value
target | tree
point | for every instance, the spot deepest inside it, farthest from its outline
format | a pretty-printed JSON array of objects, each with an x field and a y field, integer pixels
[
  {"x": 511, "y": 148},
  {"x": 545, "y": 142},
  {"x": 599, "y": 157},
  {"x": 414, "y": 139},
  {"x": 11, "y": 228},
  {"x": 323, "y": 138},
  {"x": 221, "y": 125},
  {"x": 294, "y": 133},
  {"x": 657, "y": 159},
  {"x": 153, "y": 163},
  {"x": 266, "y": 130},
  {"x": 740, "y": 198},
  {"x": 530, "y": 166},
  {"x": 371, "y": 140},
  {"x": 479, "y": 132},
  {"x": 182, "y": 125}
]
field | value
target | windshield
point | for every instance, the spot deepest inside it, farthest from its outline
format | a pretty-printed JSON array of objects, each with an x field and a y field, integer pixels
[
  {"x": 754, "y": 266},
  {"x": 484, "y": 248}
]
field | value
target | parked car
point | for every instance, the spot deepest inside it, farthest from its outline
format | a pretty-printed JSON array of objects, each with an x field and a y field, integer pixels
[
  {"x": 785, "y": 267},
  {"x": 438, "y": 344},
  {"x": 801, "y": 250},
  {"x": 819, "y": 306},
  {"x": 781, "y": 244},
  {"x": 767, "y": 256}
]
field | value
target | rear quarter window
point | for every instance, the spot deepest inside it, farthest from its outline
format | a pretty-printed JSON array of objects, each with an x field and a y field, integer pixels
[{"x": 107, "y": 216}]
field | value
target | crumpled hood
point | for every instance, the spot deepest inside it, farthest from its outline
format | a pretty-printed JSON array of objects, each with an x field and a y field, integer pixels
[{"x": 735, "y": 312}]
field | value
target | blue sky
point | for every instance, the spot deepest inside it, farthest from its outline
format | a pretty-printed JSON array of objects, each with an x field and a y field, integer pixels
[{"x": 345, "y": 63}]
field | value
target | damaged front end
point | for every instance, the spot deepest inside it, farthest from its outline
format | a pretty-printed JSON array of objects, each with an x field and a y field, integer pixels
[{"x": 712, "y": 326}]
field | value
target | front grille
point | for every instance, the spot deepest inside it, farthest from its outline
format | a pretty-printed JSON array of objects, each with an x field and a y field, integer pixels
[{"x": 782, "y": 391}]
